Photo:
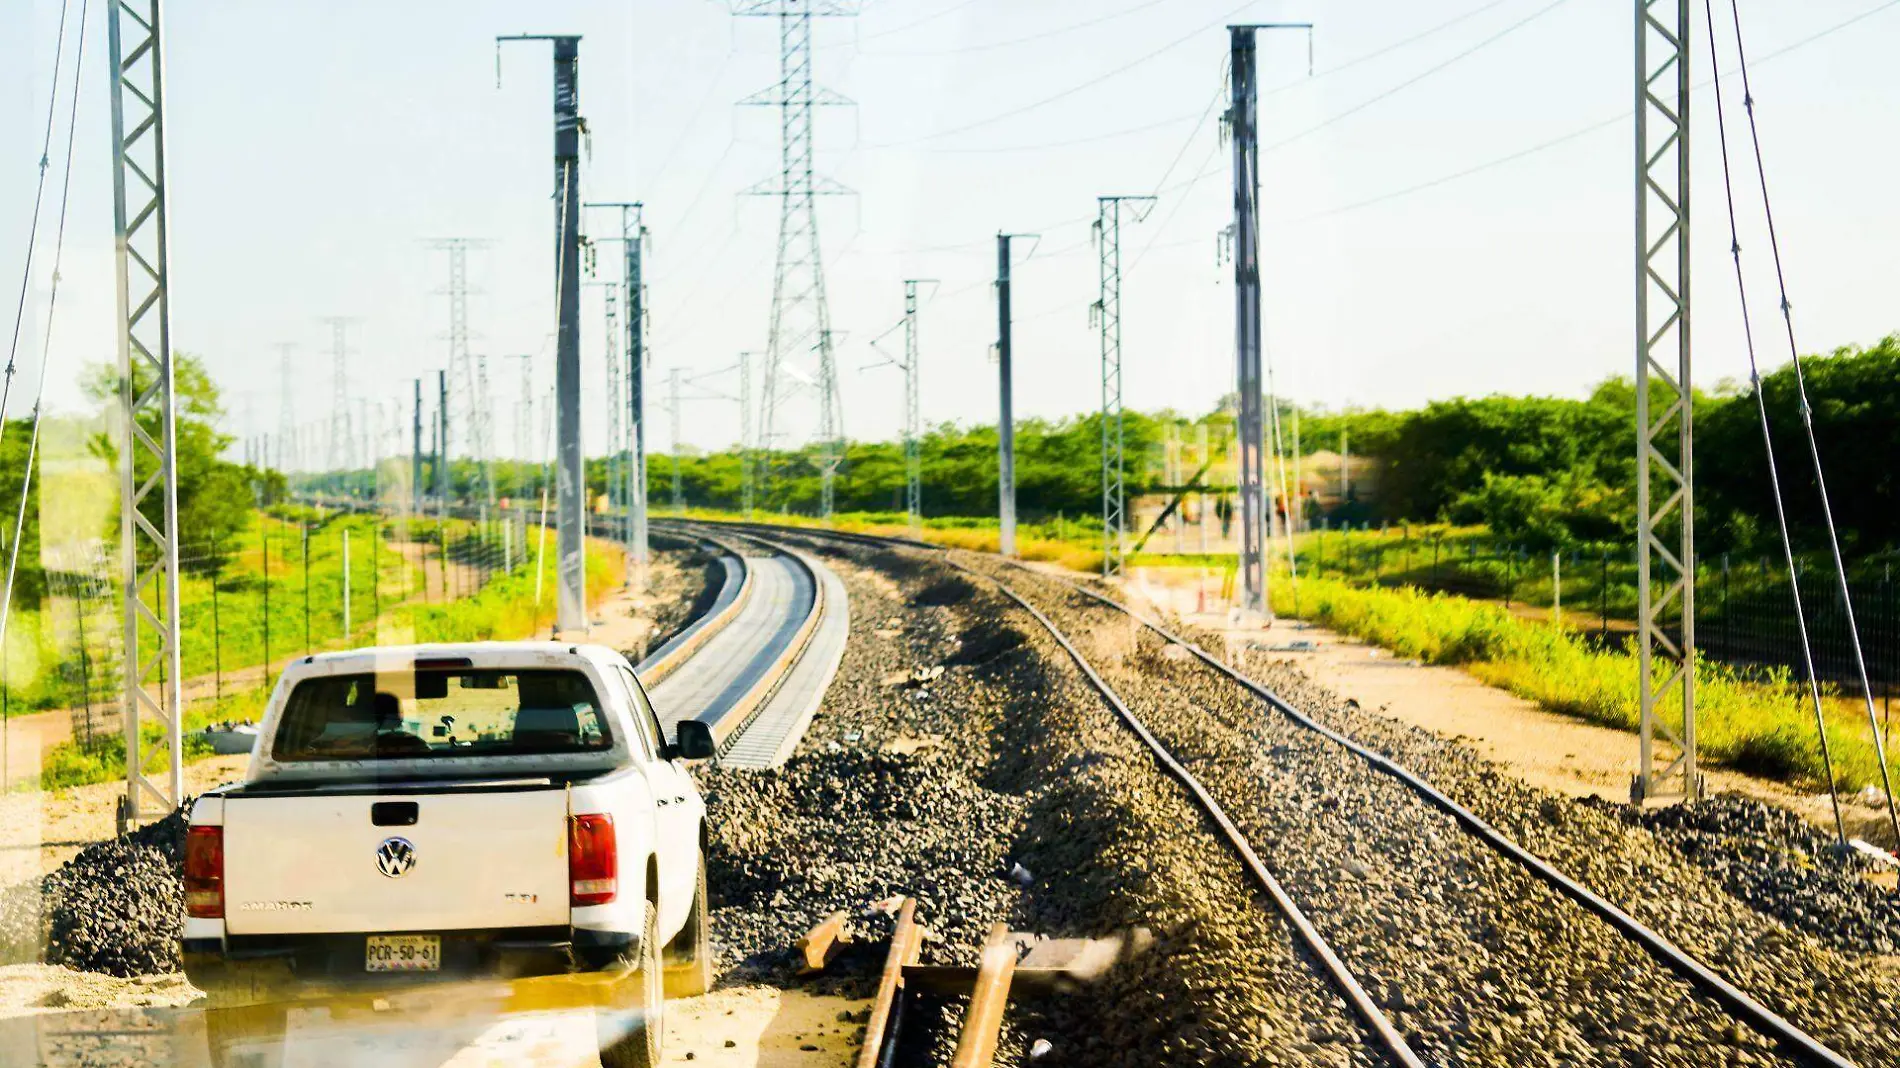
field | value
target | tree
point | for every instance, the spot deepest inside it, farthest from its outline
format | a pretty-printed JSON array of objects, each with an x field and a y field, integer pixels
[
  {"x": 214, "y": 495},
  {"x": 1853, "y": 394}
]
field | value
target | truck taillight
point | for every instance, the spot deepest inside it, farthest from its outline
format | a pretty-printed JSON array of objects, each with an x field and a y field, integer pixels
[
  {"x": 204, "y": 873},
  {"x": 593, "y": 860}
]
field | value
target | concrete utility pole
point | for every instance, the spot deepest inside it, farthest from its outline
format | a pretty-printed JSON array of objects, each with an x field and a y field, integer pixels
[
  {"x": 633, "y": 238},
  {"x": 913, "y": 413},
  {"x": 1665, "y": 456},
  {"x": 747, "y": 475},
  {"x": 570, "y": 484},
  {"x": 415, "y": 456},
  {"x": 444, "y": 481},
  {"x": 801, "y": 320},
  {"x": 148, "y": 503},
  {"x": 673, "y": 413},
  {"x": 1006, "y": 415},
  {"x": 1243, "y": 124},
  {"x": 1107, "y": 312}
]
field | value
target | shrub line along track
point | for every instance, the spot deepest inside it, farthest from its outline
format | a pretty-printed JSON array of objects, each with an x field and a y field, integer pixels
[{"x": 1734, "y": 1001}]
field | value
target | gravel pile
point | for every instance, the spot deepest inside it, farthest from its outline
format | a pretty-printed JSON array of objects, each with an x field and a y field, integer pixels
[
  {"x": 115, "y": 908},
  {"x": 1477, "y": 962},
  {"x": 1007, "y": 759},
  {"x": 1782, "y": 866}
]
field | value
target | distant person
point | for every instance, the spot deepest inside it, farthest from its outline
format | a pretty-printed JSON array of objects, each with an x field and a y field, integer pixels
[{"x": 1224, "y": 510}]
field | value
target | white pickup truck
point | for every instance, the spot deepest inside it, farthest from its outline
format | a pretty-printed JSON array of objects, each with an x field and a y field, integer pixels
[{"x": 490, "y": 810}]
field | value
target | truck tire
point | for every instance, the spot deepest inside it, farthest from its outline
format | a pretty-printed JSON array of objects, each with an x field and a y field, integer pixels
[
  {"x": 631, "y": 1039},
  {"x": 690, "y": 971},
  {"x": 248, "y": 1036}
]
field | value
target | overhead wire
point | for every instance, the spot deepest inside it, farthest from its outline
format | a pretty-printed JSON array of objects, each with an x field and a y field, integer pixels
[
  {"x": 1807, "y": 425},
  {"x": 33, "y": 228},
  {"x": 1768, "y": 441},
  {"x": 1073, "y": 89},
  {"x": 1042, "y": 35},
  {"x": 46, "y": 340}
]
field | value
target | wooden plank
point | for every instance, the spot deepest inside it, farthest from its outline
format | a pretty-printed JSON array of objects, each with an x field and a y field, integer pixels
[
  {"x": 989, "y": 996},
  {"x": 887, "y": 1012}
]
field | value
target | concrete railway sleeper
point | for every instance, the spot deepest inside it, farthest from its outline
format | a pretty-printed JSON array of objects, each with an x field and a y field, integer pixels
[{"x": 1707, "y": 984}]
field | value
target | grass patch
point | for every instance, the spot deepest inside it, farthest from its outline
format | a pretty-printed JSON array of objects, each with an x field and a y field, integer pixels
[{"x": 1759, "y": 723}]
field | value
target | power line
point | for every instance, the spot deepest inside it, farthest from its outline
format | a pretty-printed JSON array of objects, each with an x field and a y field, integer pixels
[
  {"x": 1040, "y": 36},
  {"x": 39, "y": 191},
  {"x": 1074, "y": 89}
]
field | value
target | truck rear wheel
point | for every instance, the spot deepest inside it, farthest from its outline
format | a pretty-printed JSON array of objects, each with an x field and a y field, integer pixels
[
  {"x": 690, "y": 971},
  {"x": 630, "y": 1036}
]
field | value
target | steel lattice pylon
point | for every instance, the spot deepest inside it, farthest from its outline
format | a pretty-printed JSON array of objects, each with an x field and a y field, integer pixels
[
  {"x": 1107, "y": 311},
  {"x": 801, "y": 320},
  {"x": 1665, "y": 458},
  {"x": 467, "y": 374},
  {"x": 340, "y": 456},
  {"x": 148, "y": 478}
]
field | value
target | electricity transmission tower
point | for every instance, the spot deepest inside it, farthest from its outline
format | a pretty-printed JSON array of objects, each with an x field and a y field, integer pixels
[
  {"x": 286, "y": 403},
  {"x": 1665, "y": 468},
  {"x": 1107, "y": 312},
  {"x": 148, "y": 475},
  {"x": 340, "y": 455},
  {"x": 570, "y": 483},
  {"x": 800, "y": 321},
  {"x": 747, "y": 462},
  {"x": 468, "y": 374}
]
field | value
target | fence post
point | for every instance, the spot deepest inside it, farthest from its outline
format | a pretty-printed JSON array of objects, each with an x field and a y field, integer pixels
[
  {"x": 1728, "y": 647},
  {"x": 376, "y": 578},
  {"x": 1438, "y": 540},
  {"x": 306, "y": 588},
  {"x": 1510, "y": 577},
  {"x": 263, "y": 528},
  {"x": 346, "y": 585},
  {"x": 217, "y": 642},
  {"x": 1557, "y": 587},
  {"x": 1603, "y": 596}
]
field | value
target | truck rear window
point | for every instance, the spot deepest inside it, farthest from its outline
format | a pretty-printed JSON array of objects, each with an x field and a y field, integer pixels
[{"x": 441, "y": 713}]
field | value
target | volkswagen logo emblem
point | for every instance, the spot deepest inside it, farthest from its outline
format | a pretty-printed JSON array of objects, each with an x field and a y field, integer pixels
[{"x": 395, "y": 857}]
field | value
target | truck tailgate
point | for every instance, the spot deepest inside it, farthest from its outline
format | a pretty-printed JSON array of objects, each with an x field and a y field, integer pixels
[{"x": 318, "y": 863}]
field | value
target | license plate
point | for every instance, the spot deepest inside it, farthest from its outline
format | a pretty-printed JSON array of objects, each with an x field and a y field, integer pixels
[{"x": 403, "y": 953}]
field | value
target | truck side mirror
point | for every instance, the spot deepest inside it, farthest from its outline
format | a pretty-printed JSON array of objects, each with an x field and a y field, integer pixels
[{"x": 695, "y": 740}]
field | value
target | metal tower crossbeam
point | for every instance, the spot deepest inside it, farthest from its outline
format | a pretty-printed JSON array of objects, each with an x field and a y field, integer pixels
[
  {"x": 1665, "y": 457},
  {"x": 148, "y": 477},
  {"x": 1107, "y": 312},
  {"x": 801, "y": 319}
]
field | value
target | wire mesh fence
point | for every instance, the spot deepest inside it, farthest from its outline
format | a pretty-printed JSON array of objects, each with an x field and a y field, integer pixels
[{"x": 1745, "y": 610}]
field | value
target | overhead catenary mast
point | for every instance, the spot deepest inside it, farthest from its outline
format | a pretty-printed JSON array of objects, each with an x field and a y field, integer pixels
[
  {"x": 1107, "y": 313},
  {"x": 633, "y": 240},
  {"x": 569, "y": 481},
  {"x": 800, "y": 320},
  {"x": 148, "y": 505},
  {"x": 1243, "y": 126}
]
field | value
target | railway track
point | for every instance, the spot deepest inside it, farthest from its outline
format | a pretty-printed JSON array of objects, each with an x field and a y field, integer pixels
[{"x": 1700, "y": 993}]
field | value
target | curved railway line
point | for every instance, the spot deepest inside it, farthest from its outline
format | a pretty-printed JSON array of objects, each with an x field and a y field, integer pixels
[{"x": 1781, "y": 1039}]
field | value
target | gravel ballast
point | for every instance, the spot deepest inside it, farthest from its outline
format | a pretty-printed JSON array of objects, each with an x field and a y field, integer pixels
[
  {"x": 1006, "y": 759},
  {"x": 1477, "y": 961}
]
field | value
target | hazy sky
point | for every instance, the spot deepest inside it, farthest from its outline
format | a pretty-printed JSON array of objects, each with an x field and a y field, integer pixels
[{"x": 315, "y": 148}]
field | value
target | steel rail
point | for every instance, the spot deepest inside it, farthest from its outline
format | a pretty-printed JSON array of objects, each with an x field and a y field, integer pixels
[
  {"x": 1794, "y": 1041},
  {"x": 1348, "y": 984},
  {"x": 1678, "y": 960}
]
